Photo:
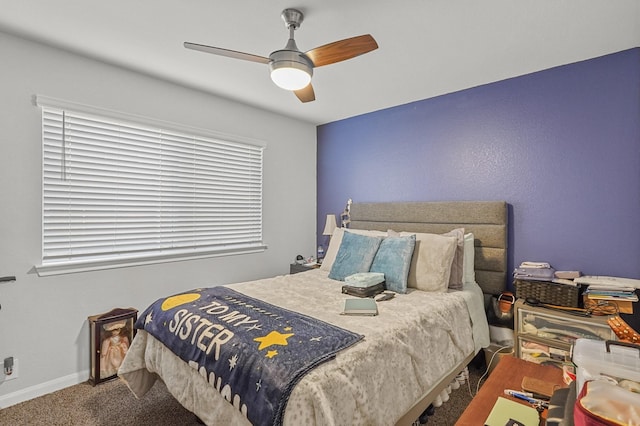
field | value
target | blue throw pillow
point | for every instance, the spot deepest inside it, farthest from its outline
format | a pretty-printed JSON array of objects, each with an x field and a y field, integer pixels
[
  {"x": 355, "y": 255},
  {"x": 394, "y": 260}
]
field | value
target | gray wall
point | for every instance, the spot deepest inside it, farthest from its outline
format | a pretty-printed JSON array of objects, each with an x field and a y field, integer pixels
[{"x": 43, "y": 321}]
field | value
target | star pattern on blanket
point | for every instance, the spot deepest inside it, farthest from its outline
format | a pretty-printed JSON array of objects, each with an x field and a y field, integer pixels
[
  {"x": 233, "y": 361},
  {"x": 254, "y": 327},
  {"x": 273, "y": 338},
  {"x": 148, "y": 318},
  {"x": 271, "y": 354}
]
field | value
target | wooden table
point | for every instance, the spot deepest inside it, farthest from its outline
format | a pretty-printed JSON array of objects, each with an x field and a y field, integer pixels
[{"x": 508, "y": 374}]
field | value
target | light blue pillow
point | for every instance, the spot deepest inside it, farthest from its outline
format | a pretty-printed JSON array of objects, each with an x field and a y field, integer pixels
[
  {"x": 394, "y": 260},
  {"x": 355, "y": 255}
]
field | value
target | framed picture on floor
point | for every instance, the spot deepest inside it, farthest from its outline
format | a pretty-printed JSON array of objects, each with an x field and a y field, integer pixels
[{"x": 110, "y": 335}]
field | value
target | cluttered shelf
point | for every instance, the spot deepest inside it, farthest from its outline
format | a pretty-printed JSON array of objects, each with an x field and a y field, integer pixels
[
  {"x": 545, "y": 336},
  {"x": 539, "y": 284},
  {"x": 555, "y": 308}
]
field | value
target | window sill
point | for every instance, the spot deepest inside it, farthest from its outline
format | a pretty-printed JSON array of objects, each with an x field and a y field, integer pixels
[{"x": 61, "y": 268}]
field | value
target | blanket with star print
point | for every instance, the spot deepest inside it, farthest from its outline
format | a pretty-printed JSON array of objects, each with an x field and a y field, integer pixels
[{"x": 252, "y": 352}]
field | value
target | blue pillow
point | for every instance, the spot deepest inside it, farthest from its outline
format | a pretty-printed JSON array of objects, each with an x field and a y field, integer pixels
[
  {"x": 355, "y": 255},
  {"x": 394, "y": 260}
]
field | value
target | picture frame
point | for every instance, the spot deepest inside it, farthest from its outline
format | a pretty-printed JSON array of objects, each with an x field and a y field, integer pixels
[{"x": 110, "y": 336}]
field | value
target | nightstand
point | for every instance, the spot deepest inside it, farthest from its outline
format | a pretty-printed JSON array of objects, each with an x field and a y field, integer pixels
[
  {"x": 546, "y": 335},
  {"x": 294, "y": 268}
]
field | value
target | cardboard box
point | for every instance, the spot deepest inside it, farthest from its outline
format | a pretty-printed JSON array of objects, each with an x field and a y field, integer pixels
[{"x": 624, "y": 306}]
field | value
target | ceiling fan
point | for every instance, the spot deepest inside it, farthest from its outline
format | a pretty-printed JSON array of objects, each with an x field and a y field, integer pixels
[{"x": 292, "y": 69}]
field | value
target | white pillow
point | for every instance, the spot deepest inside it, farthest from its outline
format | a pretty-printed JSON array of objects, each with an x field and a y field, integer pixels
[
  {"x": 336, "y": 240},
  {"x": 431, "y": 261},
  {"x": 456, "y": 279},
  {"x": 469, "y": 259}
]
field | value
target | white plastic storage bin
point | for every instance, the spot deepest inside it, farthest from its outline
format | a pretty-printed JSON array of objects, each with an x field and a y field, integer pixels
[{"x": 608, "y": 360}]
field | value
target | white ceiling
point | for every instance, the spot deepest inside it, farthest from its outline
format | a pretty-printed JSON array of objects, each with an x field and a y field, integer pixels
[{"x": 426, "y": 47}]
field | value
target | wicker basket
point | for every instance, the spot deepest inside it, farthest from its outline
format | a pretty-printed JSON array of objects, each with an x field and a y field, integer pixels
[{"x": 548, "y": 292}]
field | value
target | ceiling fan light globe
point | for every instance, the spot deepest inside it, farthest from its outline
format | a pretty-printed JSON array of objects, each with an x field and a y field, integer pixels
[{"x": 290, "y": 78}]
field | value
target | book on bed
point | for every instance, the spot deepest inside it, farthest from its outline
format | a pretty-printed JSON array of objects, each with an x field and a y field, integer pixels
[{"x": 360, "y": 307}]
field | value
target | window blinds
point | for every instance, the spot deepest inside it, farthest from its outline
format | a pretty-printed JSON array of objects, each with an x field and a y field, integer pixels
[{"x": 118, "y": 190}]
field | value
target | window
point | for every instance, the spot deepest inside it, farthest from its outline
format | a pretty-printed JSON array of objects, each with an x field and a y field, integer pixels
[{"x": 121, "y": 189}]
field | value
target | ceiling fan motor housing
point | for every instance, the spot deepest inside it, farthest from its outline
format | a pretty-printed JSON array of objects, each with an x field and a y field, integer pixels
[{"x": 291, "y": 61}]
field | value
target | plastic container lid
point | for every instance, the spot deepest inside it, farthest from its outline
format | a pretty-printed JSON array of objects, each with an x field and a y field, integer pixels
[{"x": 607, "y": 360}]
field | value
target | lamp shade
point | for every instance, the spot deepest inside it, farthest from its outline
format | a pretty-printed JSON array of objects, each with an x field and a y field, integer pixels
[{"x": 329, "y": 225}]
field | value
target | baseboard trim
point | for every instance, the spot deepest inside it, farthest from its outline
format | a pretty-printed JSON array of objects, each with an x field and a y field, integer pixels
[{"x": 31, "y": 392}]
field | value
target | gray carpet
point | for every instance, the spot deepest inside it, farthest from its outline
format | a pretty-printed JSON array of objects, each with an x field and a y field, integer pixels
[{"x": 111, "y": 403}]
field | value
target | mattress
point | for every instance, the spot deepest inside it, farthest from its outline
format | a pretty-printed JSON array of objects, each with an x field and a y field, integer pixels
[{"x": 416, "y": 339}]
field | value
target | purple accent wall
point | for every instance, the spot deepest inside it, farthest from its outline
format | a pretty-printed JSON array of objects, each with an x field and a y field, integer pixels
[{"x": 561, "y": 146}]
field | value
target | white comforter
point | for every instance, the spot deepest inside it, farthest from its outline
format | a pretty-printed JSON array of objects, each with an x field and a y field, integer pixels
[{"x": 415, "y": 340}]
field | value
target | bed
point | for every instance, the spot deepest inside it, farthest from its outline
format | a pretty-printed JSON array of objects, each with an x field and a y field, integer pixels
[{"x": 404, "y": 358}]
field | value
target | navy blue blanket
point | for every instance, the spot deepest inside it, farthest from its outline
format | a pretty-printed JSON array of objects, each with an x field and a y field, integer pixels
[{"x": 252, "y": 352}]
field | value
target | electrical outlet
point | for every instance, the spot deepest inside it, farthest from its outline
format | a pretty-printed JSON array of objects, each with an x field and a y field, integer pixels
[{"x": 14, "y": 371}]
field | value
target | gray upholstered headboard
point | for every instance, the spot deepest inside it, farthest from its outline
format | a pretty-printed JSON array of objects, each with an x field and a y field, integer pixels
[{"x": 486, "y": 219}]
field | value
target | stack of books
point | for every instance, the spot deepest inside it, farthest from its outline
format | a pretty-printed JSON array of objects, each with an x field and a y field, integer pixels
[
  {"x": 622, "y": 291},
  {"x": 596, "y": 292}
]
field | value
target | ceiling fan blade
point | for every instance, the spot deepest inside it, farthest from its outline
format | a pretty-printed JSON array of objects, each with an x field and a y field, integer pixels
[
  {"x": 306, "y": 94},
  {"x": 226, "y": 52},
  {"x": 342, "y": 50}
]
